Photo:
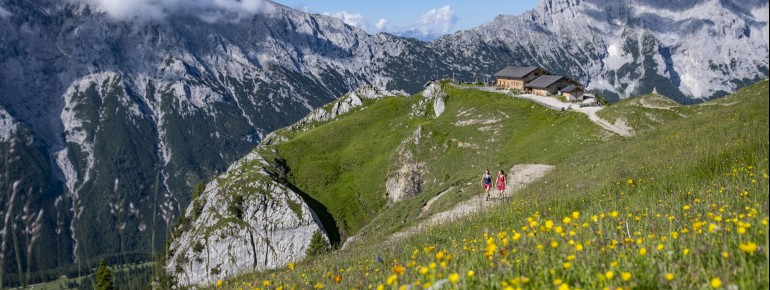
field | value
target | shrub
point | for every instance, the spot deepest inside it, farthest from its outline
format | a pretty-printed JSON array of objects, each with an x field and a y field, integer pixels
[{"x": 317, "y": 245}]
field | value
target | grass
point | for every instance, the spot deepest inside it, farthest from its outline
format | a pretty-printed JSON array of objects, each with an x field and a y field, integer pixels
[
  {"x": 682, "y": 205},
  {"x": 344, "y": 164}
]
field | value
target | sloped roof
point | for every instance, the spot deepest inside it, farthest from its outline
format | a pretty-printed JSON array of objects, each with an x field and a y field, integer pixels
[
  {"x": 543, "y": 82},
  {"x": 570, "y": 89},
  {"x": 515, "y": 71}
]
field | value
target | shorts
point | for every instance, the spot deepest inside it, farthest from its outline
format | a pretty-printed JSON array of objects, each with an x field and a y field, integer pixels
[
  {"x": 487, "y": 185},
  {"x": 501, "y": 186}
]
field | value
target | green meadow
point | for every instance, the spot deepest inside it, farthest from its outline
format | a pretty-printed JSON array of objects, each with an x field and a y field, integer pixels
[{"x": 681, "y": 204}]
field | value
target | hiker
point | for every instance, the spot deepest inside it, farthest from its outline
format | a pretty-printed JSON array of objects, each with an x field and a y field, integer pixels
[
  {"x": 501, "y": 182},
  {"x": 486, "y": 181}
]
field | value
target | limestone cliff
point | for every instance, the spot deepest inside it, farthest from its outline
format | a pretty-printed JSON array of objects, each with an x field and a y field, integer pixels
[{"x": 244, "y": 220}]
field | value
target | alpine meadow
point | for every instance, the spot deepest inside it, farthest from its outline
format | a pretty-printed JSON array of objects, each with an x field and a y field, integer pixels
[{"x": 245, "y": 144}]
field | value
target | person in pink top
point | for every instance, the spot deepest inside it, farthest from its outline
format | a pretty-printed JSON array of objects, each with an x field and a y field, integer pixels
[{"x": 501, "y": 183}]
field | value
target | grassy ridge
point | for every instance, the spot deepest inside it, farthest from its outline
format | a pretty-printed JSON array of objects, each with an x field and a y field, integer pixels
[
  {"x": 683, "y": 205},
  {"x": 344, "y": 164}
]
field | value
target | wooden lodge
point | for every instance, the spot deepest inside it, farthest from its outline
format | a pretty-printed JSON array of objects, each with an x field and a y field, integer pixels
[
  {"x": 549, "y": 85},
  {"x": 538, "y": 81},
  {"x": 514, "y": 77}
]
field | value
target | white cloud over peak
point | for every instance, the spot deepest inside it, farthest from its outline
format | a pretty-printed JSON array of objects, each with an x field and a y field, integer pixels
[
  {"x": 381, "y": 24},
  {"x": 352, "y": 19},
  {"x": 207, "y": 10},
  {"x": 436, "y": 21}
]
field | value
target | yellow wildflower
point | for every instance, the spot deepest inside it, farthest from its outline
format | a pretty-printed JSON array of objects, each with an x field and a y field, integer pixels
[
  {"x": 716, "y": 283},
  {"x": 454, "y": 277},
  {"x": 470, "y": 274},
  {"x": 609, "y": 275},
  {"x": 625, "y": 276},
  {"x": 219, "y": 283},
  {"x": 669, "y": 276},
  {"x": 749, "y": 247}
]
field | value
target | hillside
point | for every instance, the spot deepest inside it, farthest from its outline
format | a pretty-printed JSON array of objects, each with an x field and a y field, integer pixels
[
  {"x": 680, "y": 204},
  {"x": 136, "y": 112}
]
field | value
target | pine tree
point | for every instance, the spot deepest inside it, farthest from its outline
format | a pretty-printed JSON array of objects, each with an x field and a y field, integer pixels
[
  {"x": 317, "y": 245},
  {"x": 103, "y": 277}
]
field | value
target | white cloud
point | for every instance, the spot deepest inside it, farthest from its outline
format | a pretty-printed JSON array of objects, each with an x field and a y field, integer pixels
[
  {"x": 207, "y": 10},
  {"x": 381, "y": 24},
  {"x": 436, "y": 21},
  {"x": 352, "y": 19}
]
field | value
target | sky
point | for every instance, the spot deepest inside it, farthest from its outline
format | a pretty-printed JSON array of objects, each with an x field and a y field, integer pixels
[{"x": 424, "y": 19}]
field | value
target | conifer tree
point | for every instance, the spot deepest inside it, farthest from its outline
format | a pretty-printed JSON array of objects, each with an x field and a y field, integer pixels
[{"x": 103, "y": 277}]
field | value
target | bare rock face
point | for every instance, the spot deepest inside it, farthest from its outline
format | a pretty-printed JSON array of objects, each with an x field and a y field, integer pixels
[
  {"x": 436, "y": 93},
  {"x": 244, "y": 220},
  {"x": 405, "y": 179}
]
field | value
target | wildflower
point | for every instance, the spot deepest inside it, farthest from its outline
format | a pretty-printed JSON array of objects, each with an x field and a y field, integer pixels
[
  {"x": 398, "y": 269},
  {"x": 749, "y": 247},
  {"x": 659, "y": 247},
  {"x": 454, "y": 277},
  {"x": 716, "y": 283},
  {"x": 575, "y": 215},
  {"x": 669, "y": 276},
  {"x": 423, "y": 270},
  {"x": 579, "y": 247},
  {"x": 219, "y": 283},
  {"x": 685, "y": 251},
  {"x": 291, "y": 266},
  {"x": 643, "y": 251},
  {"x": 392, "y": 279},
  {"x": 686, "y": 207},
  {"x": 549, "y": 224},
  {"x": 567, "y": 265},
  {"x": 564, "y": 286},
  {"x": 318, "y": 285},
  {"x": 554, "y": 244},
  {"x": 725, "y": 255},
  {"x": 381, "y": 287},
  {"x": 609, "y": 275},
  {"x": 594, "y": 218},
  {"x": 337, "y": 279},
  {"x": 625, "y": 276},
  {"x": 566, "y": 220},
  {"x": 470, "y": 274},
  {"x": 614, "y": 214},
  {"x": 266, "y": 283},
  {"x": 439, "y": 255}
]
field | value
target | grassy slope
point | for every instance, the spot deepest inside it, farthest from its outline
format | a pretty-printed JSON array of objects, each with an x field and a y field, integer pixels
[
  {"x": 337, "y": 160},
  {"x": 685, "y": 200}
]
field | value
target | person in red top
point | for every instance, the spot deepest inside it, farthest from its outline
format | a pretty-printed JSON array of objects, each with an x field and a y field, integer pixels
[{"x": 500, "y": 183}]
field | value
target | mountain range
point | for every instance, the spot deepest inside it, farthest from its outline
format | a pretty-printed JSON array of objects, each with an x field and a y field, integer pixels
[{"x": 111, "y": 123}]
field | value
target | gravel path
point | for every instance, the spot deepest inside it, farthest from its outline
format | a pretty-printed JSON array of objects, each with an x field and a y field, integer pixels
[
  {"x": 554, "y": 104},
  {"x": 519, "y": 176}
]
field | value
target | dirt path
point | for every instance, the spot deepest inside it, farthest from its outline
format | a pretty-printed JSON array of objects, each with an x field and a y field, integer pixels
[
  {"x": 519, "y": 176},
  {"x": 619, "y": 127}
]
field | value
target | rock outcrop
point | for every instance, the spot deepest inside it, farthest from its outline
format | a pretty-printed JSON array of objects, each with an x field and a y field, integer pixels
[
  {"x": 245, "y": 220},
  {"x": 347, "y": 103},
  {"x": 405, "y": 179}
]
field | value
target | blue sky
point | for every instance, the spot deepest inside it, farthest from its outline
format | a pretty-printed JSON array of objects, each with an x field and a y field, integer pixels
[{"x": 419, "y": 18}]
